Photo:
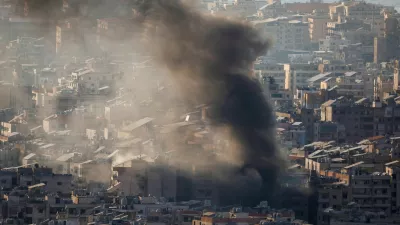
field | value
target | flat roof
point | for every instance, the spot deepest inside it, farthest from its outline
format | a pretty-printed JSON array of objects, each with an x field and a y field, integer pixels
[
  {"x": 101, "y": 148},
  {"x": 128, "y": 143},
  {"x": 315, "y": 153},
  {"x": 297, "y": 123},
  {"x": 171, "y": 127},
  {"x": 36, "y": 186},
  {"x": 137, "y": 124},
  {"x": 392, "y": 163},
  {"x": 354, "y": 165},
  {"x": 319, "y": 77},
  {"x": 113, "y": 154},
  {"x": 65, "y": 157},
  {"x": 328, "y": 103},
  {"x": 29, "y": 156},
  {"x": 360, "y": 147},
  {"x": 47, "y": 146}
]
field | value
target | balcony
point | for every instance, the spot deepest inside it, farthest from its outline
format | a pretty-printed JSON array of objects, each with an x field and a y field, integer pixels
[
  {"x": 379, "y": 186},
  {"x": 323, "y": 200},
  {"x": 381, "y": 196},
  {"x": 361, "y": 195},
  {"x": 381, "y": 204},
  {"x": 361, "y": 186}
]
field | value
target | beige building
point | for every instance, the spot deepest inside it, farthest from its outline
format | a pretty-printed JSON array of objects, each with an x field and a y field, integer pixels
[
  {"x": 396, "y": 73},
  {"x": 317, "y": 26},
  {"x": 297, "y": 75}
]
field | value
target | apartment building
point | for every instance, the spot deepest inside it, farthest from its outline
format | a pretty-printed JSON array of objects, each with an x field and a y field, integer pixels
[
  {"x": 285, "y": 33},
  {"x": 393, "y": 170},
  {"x": 377, "y": 25},
  {"x": 327, "y": 131},
  {"x": 362, "y": 10},
  {"x": 351, "y": 54},
  {"x": 369, "y": 184},
  {"x": 317, "y": 26},
  {"x": 280, "y": 97},
  {"x": 297, "y": 75},
  {"x": 294, "y": 136},
  {"x": 87, "y": 81},
  {"x": 332, "y": 43},
  {"x": 336, "y": 11},
  {"x": 363, "y": 118},
  {"x": 249, "y": 6},
  {"x": 348, "y": 85},
  {"x": 54, "y": 101},
  {"x": 370, "y": 190},
  {"x": 312, "y": 98},
  {"x": 331, "y": 195},
  {"x": 271, "y": 10},
  {"x": 341, "y": 26},
  {"x": 337, "y": 68},
  {"x": 275, "y": 70}
]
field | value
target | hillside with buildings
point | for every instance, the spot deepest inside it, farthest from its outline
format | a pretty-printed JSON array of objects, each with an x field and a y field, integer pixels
[{"x": 95, "y": 130}]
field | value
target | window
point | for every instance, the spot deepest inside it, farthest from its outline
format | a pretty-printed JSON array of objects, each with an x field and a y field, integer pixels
[
  {"x": 187, "y": 219},
  {"x": 59, "y": 183},
  {"x": 29, "y": 210}
]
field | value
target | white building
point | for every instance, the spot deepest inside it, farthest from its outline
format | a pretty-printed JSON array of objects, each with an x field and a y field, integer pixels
[
  {"x": 275, "y": 70},
  {"x": 285, "y": 33},
  {"x": 297, "y": 75},
  {"x": 88, "y": 81},
  {"x": 332, "y": 43}
]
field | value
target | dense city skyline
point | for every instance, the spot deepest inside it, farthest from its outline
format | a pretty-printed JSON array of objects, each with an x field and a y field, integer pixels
[{"x": 204, "y": 112}]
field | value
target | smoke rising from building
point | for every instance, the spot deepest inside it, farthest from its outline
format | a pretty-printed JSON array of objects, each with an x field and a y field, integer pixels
[{"x": 211, "y": 59}]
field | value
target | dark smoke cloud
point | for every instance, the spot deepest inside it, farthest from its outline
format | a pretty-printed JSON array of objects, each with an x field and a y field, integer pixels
[{"x": 211, "y": 58}]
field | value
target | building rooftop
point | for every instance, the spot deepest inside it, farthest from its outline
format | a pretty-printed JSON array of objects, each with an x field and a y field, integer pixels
[
  {"x": 66, "y": 157},
  {"x": 319, "y": 77},
  {"x": 353, "y": 165},
  {"x": 328, "y": 103},
  {"x": 137, "y": 124},
  {"x": 29, "y": 156}
]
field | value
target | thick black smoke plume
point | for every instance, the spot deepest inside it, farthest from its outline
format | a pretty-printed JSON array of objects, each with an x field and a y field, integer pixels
[{"x": 212, "y": 58}]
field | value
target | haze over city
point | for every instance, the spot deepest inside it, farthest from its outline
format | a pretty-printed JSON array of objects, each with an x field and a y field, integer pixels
[{"x": 199, "y": 112}]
